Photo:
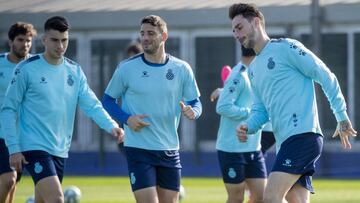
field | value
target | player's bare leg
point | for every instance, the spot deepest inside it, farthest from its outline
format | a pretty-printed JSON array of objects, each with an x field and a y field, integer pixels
[
  {"x": 7, "y": 186},
  {"x": 49, "y": 189},
  {"x": 167, "y": 196},
  {"x": 298, "y": 194},
  {"x": 257, "y": 189},
  {"x": 279, "y": 184},
  {"x": 235, "y": 192},
  {"x": 146, "y": 195}
]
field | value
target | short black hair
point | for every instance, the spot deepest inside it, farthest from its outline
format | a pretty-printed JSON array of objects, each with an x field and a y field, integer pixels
[
  {"x": 21, "y": 28},
  {"x": 248, "y": 11},
  {"x": 58, "y": 23},
  {"x": 156, "y": 21},
  {"x": 247, "y": 51}
]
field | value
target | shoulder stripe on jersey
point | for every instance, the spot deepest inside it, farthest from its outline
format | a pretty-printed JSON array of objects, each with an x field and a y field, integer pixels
[
  {"x": 2, "y": 55},
  {"x": 71, "y": 61},
  {"x": 31, "y": 59}
]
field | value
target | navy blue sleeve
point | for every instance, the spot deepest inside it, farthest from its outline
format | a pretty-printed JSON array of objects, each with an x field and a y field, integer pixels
[
  {"x": 196, "y": 106},
  {"x": 114, "y": 110}
]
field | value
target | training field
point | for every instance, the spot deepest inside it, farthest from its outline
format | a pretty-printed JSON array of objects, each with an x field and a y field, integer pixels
[{"x": 207, "y": 190}]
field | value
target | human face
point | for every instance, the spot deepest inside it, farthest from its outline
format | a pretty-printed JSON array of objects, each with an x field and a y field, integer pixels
[
  {"x": 244, "y": 31},
  {"x": 55, "y": 43},
  {"x": 151, "y": 38},
  {"x": 20, "y": 46}
]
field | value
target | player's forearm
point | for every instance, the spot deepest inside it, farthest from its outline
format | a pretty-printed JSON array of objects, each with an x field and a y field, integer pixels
[
  {"x": 114, "y": 110},
  {"x": 256, "y": 120},
  {"x": 232, "y": 111}
]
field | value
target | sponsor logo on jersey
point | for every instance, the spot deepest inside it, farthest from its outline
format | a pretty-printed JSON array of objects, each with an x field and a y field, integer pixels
[{"x": 145, "y": 74}]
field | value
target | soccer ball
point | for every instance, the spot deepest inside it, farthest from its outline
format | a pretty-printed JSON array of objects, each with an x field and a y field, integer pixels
[
  {"x": 72, "y": 194},
  {"x": 181, "y": 193},
  {"x": 31, "y": 199}
]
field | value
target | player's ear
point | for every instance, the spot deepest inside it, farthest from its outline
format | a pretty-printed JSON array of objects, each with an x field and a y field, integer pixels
[
  {"x": 257, "y": 21},
  {"x": 164, "y": 36}
]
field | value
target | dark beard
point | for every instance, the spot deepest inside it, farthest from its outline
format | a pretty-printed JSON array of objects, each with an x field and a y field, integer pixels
[{"x": 18, "y": 54}]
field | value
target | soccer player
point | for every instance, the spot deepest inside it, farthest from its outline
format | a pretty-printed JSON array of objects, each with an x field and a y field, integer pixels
[
  {"x": 241, "y": 163},
  {"x": 44, "y": 92},
  {"x": 155, "y": 88},
  {"x": 282, "y": 76},
  {"x": 20, "y": 37}
]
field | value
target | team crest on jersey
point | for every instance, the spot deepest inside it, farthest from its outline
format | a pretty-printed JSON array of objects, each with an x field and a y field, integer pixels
[
  {"x": 70, "y": 80},
  {"x": 43, "y": 80},
  {"x": 145, "y": 74},
  {"x": 271, "y": 63},
  {"x": 170, "y": 75}
]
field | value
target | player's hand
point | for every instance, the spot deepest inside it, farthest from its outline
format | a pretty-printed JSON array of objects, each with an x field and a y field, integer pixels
[
  {"x": 119, "y": 134},
  {"x": 344, "y": 130},
  {"x": 16, "y": 161},
  {"x": 187, "y": 111},
  {"x": 241, "y": 132},
  {"x": 215, "y": 94},
  {"x": 136, "y": 123}
]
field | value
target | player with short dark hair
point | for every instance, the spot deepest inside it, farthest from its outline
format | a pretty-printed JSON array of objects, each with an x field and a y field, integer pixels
[
  {"x": 155, "y": 88},
  {"x": 242, "y": 164},
  {"x": 282, "y": 77},
  {"x": 44, "y": 93},
  {"x": 20, "y": 37}
]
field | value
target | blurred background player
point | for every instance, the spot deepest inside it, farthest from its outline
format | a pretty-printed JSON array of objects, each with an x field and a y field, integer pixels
[
  {"x": 133, "y": 49},
  {"x": 282, "y": 78},
  {"x": 20, "y": 38},
  {"x": 155, "y": 88},
  {"x": 241, "y": 163},
  {"x": 45, "y": 91}
]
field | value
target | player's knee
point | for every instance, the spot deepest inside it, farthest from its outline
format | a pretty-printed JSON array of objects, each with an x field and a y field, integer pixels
[
  {"x": 235, "y": 199},
  {"x": 9, "y": 181},
  {"x": 272, "y": 197},
  {"x": 58, "y": 198}
]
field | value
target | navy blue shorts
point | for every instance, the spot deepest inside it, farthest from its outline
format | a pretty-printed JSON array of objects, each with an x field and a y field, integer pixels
[
  {"x": 297, "y": 155},
  {"x": 238, "y": 166},
  {"x": 42, "y": 164},
  {"x": 148, "y": 168},
  {"x": 267, "y": 141},
  {"x": 4, "y": 160}
]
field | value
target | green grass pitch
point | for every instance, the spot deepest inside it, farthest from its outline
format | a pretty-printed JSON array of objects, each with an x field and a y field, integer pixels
[{"x": 198, "y": 190}]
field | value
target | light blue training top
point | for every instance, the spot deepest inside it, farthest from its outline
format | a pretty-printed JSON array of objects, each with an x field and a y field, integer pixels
[
  {"x": 282, "y": 77},
  {"x": 234, "y": 106},
  {"x": 154, "y": 90},
  {"x": 6, "y": 71},
  {"x": 45, "y": 97}
]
